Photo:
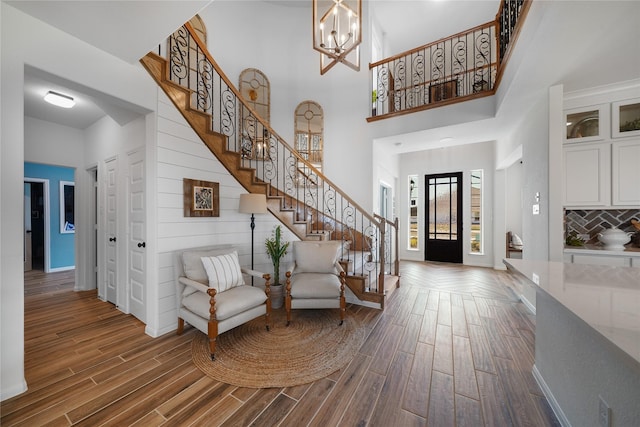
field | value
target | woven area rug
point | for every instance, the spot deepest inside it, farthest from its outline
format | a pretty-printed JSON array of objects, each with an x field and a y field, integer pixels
[{"x": 311, "y": 347}]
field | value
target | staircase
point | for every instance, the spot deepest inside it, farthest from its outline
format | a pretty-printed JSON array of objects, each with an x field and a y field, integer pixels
[{"x": 307, "y": 203}]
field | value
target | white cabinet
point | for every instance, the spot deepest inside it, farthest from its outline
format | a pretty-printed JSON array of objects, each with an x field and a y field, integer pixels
[
  {"x": 587, "y": 174},
  {"x": 626, "y": 173}
]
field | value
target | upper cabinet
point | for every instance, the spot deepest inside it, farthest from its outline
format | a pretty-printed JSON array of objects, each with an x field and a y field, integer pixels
[
  {"x": 587, "y": 175},
  {"x": 601, "y": 154},
  {"x": 587, "y": 124},
  {"x": 625, "y": 173},
  {"x": 625, "y": 118}
]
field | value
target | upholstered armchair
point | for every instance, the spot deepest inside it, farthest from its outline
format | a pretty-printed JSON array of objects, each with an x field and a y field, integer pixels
[
  {"x": 315, "y": 279},
  {"x": 212, "y": 295}
]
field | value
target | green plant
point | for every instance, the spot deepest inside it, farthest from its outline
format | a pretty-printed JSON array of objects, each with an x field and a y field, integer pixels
[
  {"x": 374, "y": 96},
  {"x": 276, "y": 249},
  {"x": 573, "y": 239}
]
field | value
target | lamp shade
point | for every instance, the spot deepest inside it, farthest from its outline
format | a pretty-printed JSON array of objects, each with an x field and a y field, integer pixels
[{"x": 253, "y": 203}]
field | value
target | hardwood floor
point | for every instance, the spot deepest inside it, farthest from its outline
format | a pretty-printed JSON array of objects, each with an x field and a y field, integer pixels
[{"x": 453, "y": 348}]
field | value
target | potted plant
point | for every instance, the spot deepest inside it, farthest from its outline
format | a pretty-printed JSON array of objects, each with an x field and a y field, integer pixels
[
  {"x": 374, "y": 99},
  {"x": 276, "y": 249}
]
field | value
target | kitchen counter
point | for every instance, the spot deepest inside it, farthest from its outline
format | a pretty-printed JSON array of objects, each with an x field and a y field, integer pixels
[
  {"x": 587, "y": 343},
  {"x": 606, "y": 298}
]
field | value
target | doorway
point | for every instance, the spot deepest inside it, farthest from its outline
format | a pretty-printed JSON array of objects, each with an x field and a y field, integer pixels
[
  {"x": 443, "y": 217},
  {"x": 35, "y": 223}
]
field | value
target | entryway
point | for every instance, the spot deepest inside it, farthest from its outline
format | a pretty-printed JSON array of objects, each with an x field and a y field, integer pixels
[{"x": 443, "y": 217}]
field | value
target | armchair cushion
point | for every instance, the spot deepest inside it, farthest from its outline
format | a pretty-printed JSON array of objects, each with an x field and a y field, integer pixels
[
  {"x": 228, "y": 304},
  {"x": 192, "y": 262},
  {"x": 315, "y": 257},
  {"x": 315, "y": 285},
  {"x": 223, "y": 271}
]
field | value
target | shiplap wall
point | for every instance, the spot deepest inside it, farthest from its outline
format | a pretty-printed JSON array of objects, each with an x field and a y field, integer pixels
[{"x": 181, "y": 154}]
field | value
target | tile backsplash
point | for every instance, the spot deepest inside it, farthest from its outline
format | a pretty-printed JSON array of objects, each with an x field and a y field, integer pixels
[{"x": 592, "y": 222}]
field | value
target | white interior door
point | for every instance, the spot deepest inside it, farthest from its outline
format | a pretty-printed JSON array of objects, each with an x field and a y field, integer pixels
[
  {"x": 111, "y": 182},
  {"x": 136, "y": 235}
]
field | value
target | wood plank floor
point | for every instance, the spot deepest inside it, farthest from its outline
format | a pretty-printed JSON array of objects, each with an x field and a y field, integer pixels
[{"x": 453, "y": 348}]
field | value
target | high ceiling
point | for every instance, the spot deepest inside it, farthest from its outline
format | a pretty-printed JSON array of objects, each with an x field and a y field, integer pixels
[{"x": 579, "y": 43}]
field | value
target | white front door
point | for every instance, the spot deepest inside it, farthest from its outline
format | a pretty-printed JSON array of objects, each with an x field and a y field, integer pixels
[
  {"x": 111, "y": 182},
  {"x": 136, "y": 235}
]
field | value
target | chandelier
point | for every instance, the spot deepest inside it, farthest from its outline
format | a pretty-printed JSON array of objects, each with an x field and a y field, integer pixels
[{"x": 337, "y": 32}]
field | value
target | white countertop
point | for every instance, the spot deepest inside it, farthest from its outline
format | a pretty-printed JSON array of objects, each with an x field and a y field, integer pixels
[
  {"x": 607, "y": 298},
  {"x": 598, "y": 249}
]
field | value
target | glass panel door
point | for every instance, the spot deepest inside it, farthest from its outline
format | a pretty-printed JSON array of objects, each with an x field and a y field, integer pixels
[{"x": 444, "y": 226}]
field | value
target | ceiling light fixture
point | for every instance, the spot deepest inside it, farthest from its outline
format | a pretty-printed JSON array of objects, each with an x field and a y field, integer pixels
[
  {"x": 59, "y": 99},
  {"x": 337, "y": 32}
]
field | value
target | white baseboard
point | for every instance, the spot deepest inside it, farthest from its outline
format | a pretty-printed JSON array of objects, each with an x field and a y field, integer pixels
[
  {"x": 57, "y": 269},
  {"x": 562, "y": 418},
  {"x": 531, "y": 307},
  {"x": 155, "y": 333},
  {"x": 13, "y": 390}
]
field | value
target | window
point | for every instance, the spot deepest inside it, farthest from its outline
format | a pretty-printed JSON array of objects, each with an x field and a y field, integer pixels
[
  {"x": 477, "y": 246},
  {"x": 255, "y": 89},
  {"x": 309, "y": 129},
  {"x": 413, "y": 212}
]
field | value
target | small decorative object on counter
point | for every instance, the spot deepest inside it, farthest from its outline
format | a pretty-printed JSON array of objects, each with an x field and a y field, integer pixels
[
  {"x": 573, "y": 239},
  {"x": 614, "y": 239}
]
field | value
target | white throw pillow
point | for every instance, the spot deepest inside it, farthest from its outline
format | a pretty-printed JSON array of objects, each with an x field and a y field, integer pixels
[
  {"x": 315, "y": 257},
  {"x": 516, "y": 241},
  {"x": 223, "y": 271}
]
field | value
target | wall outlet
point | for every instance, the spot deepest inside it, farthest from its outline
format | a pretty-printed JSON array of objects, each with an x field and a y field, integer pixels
[
  {"x": 604, "y": 413},
  {"x": 535, "y": 278},
  {"x": 536, "y": 209}
]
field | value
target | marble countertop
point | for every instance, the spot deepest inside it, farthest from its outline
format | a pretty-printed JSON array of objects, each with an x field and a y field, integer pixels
[
  {"x": 598, "y": 249},
  {"x": 607, "y": 298}
]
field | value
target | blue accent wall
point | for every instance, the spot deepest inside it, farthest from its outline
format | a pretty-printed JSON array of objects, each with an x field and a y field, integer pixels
[{"x": 62, "y": 245}]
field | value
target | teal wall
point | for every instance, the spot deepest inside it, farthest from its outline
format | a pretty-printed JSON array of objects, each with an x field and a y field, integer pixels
[{"x": 61, "y": 245}]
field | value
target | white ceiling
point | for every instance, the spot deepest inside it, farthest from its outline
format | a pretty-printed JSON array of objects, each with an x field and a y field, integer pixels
[{"x": 578, "y": 43}]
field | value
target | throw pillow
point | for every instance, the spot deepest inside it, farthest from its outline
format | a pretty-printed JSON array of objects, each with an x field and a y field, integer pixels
[
  {"x": 315, "y": 257},
  {"x": 223, "y": 271}
]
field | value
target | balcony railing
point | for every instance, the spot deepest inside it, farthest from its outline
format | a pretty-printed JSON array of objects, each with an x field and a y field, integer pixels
[{"x": 458, "y": 68}]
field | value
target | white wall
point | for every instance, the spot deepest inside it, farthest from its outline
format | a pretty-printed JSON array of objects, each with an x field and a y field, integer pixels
[
  {"x": 181, "y": 154},
  {"x": 286, "y": 56},
  {"x": 513, "y": 217},
  {"x": 57, "y": 53},
  {"x": 462, "y": 158}
]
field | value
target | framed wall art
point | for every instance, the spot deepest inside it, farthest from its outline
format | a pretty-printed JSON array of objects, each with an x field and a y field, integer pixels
[{"x": 201, "y": 198}]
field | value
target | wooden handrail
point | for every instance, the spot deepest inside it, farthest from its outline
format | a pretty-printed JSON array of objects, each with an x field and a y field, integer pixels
[
  {"x": 428, "y": 45},
  {"x": 266, "y": 125}
]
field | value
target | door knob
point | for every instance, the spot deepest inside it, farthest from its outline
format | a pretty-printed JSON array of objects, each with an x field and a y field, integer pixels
[
  {"x": 142, "y": 245},
  {"x": 112, "y": 239}
]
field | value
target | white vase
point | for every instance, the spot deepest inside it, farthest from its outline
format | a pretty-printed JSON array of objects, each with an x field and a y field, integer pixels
[{"x": 614, "y": 239}]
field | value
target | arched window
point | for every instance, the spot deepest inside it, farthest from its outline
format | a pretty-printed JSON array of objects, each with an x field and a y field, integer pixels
[
  {"x": 309, "y": 129},
  {"x": 198, "y": 25},
  {"x": 309, "y": 135},
  {"x": 255, "y": 90}
]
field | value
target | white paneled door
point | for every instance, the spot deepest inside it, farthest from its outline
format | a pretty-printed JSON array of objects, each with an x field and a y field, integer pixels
[
  {"x": 111, "y": 181},
  {"x": 136, "y": 235}
]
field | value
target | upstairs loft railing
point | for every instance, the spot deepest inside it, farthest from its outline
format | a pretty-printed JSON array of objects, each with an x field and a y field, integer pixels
[
  {"x": 367, "y": 242},
  {"x": 458, "y": 68}
]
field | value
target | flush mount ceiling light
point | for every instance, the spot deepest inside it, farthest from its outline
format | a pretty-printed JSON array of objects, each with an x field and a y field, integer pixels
[
  {"x": 59, "y": 99},
  {"x": 337, "y": 32}
]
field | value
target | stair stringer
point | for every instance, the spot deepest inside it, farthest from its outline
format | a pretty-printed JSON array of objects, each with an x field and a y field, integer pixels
[{"x": 232, "y": 162}]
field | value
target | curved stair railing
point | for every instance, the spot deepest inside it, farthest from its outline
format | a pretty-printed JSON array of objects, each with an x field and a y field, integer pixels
[{"x": 306, "y": 201}]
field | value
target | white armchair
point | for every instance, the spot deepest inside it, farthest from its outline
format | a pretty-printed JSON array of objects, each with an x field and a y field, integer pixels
[
  {"x": 315, "y": 279},
  {"x": 212, "y": 295}
]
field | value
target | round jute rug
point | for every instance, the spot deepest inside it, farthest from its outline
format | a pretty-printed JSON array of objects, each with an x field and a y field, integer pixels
[{"x": 311, "y": 347}]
